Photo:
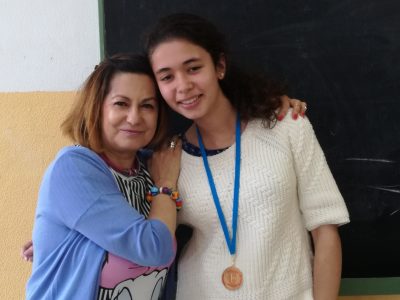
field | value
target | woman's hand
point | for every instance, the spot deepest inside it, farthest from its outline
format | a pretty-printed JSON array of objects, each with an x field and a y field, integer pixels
[
  {"x": 165, "y": 164},
  {"x": 164, "y": 168},
  {"x": 27, "y": 251},
  {"x": 299, "y": 107}
]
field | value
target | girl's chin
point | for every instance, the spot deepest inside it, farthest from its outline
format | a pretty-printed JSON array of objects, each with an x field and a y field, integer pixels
[{"x": 190, "y": 114}]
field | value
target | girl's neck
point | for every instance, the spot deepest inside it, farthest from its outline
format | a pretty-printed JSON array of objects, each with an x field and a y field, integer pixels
[{"x": 217, "y": 129}]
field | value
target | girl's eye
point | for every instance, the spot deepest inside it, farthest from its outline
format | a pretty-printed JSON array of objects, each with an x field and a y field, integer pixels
[
  {"x": 165, "y": 77},
  {"x": 194, "y": 69}
]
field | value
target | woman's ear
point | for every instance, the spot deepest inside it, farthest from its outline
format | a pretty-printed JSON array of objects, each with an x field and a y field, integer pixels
[{"x": 221, "y": 66}]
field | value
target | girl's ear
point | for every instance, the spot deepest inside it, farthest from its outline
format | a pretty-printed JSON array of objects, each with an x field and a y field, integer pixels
[{"x": 221, "y": 66}]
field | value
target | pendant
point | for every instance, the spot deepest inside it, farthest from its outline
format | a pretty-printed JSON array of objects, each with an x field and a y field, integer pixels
[{"x": 232, "y": 278}]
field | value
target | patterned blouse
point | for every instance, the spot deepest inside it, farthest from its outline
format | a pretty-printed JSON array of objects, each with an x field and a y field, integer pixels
[{"x": 122, "y": 279}]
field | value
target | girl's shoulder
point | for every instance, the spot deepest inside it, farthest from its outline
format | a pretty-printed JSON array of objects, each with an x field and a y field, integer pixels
[
  {"x": 287, "y": 132},
  {"x": 287, "y": 125}
]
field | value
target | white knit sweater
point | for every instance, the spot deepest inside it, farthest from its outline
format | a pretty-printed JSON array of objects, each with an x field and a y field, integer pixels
[{"x": 286, "y": 190}]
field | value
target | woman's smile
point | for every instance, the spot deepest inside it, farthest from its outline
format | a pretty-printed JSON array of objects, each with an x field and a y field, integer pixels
[
  {"x": 132, "y": 131},
  {"x": 129, "y": 116}
]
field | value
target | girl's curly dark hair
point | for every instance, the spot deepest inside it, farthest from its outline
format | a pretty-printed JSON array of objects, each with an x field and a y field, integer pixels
[{"x": 252, "y": 95}]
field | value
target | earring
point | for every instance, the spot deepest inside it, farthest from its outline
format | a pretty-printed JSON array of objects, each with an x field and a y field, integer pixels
[{"x": 221, "y": 76}]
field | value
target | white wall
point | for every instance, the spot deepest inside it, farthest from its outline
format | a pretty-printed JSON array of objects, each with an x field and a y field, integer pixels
[
  {"x": 47, "y": 49},
  {"x": 47, "y": 45}
]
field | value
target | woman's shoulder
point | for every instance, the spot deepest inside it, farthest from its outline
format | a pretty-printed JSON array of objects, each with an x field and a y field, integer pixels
[
  {"x": 78, "y": 155},
  {"x": 76, "y": 151}
]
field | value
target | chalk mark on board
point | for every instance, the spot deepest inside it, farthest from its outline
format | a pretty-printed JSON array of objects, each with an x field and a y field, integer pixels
[
  {"x": 371, "y": 160},
  {"x": 392, "y": 189},
  {"x": 396, "y": 211}
]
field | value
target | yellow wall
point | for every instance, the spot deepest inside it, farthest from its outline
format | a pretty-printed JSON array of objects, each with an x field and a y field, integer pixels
[{"x": 29, "y": 139}]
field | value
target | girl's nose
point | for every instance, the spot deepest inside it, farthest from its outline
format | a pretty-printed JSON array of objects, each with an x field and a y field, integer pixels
[{"x": 184, "y": 84}]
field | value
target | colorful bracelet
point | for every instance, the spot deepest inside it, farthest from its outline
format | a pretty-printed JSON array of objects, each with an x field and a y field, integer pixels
[{"x": 174, "y": 195}]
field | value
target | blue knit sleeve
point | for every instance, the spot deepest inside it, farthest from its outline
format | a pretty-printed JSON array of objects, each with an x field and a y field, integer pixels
[{"x": 85, "y": 198}]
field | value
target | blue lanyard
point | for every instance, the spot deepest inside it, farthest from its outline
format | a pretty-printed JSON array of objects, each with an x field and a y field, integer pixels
[{"x": 231, "y": 242}]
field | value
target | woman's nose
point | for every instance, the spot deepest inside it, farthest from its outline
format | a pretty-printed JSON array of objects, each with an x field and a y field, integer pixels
[{"x": 133, "y": 115}]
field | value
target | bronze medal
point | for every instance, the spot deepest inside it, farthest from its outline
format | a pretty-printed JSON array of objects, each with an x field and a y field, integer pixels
[{"x": 232, "y": 278}]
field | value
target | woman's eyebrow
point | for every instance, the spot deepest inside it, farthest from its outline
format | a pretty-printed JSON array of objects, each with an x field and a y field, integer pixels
[{"x": 147, "y": 99}]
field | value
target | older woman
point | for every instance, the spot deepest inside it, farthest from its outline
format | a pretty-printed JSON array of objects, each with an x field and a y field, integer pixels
[{"x": 95, "y": 235}]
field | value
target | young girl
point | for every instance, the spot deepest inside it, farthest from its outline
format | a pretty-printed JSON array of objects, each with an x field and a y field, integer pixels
[{"x": 253, "y": 187}]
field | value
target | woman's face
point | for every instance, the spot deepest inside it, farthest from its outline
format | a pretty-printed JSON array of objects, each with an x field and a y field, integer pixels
[
  {"x": 129, "y": 114},
  {"x": 187, "y": 77}
]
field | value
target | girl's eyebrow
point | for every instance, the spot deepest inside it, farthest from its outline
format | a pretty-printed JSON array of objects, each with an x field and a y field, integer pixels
[
  {"x": 186, "y": 62},
  {"x": 162, "y": 70},
  {"x": 190, "y": 60}
]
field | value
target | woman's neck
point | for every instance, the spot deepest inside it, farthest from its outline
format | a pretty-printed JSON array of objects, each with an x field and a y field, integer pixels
[{"x": 119, "y": 161}]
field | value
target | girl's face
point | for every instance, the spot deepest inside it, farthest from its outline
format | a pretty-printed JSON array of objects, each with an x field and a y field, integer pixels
[
  {"x": 129, "y": 115},
  {"x": 187, "y": 77}
]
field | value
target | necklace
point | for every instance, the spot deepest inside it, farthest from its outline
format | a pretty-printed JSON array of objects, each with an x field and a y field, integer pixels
[
  {"x": 232, "y": 277},
  {"x": 132, "y": 171}
]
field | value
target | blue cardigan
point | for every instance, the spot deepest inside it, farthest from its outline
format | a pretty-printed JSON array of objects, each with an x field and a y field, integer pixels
[{"x": 80, "y": 214}]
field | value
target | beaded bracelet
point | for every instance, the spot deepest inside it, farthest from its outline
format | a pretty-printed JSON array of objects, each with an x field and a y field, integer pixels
[{"x": 154, "y": 191}]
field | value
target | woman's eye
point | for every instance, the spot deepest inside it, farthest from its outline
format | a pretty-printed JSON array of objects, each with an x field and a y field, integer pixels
[
  {"x": 120, "y": 103},
  {"x": 148, "y": 106}
]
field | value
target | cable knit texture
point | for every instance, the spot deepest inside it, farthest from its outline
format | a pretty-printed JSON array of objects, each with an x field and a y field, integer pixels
[{"x": 286, "y": 190}]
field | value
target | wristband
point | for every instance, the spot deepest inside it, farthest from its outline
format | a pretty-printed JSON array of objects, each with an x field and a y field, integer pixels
[{"x": 174, "y": 195}]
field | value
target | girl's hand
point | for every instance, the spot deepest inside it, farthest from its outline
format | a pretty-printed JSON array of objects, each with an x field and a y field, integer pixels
[
  {"x": 299, "y": 107},
  {"x": 27, "y": 251}
]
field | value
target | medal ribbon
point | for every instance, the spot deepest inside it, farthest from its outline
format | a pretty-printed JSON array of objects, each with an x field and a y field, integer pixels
[{"x": 231, "y": 242}]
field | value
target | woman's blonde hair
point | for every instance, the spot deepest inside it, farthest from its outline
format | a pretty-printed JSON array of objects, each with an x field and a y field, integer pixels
[{"x": 83, "y": 123}]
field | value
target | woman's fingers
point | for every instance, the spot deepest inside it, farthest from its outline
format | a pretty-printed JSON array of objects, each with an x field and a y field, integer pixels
[{"x": 298, "y": 107}]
